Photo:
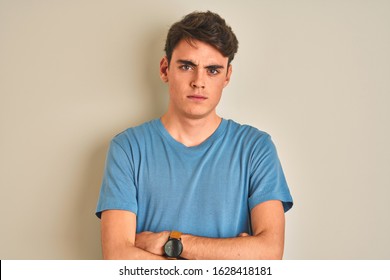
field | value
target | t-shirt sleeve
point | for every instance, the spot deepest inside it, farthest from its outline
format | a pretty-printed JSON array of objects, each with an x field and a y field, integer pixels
[
  {"x": 267, "y": 180},
  {"x": 118, "y": 190}
]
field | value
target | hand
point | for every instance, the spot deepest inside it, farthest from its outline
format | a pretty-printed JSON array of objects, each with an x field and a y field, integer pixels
[
  {"x": 152, "y": 242},
  {"x": 243, "y": 234}
]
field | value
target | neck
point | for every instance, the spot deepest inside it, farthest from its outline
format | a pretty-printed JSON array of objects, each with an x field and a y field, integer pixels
[{"x": 190, "y": 132}]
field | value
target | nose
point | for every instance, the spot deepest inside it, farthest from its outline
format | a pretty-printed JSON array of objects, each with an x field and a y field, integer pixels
[
  {"x": 194, "y": 85},
  {"x": 198, "y": 80}
]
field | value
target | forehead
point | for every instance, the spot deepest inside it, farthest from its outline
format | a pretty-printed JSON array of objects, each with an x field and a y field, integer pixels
[{"x": 198, "y": 52}]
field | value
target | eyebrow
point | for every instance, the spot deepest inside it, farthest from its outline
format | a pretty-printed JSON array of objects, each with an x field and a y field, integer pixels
[{"x": 189, "y": 62}]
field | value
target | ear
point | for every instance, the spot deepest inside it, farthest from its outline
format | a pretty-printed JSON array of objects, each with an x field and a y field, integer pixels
[
  {"x": 228, "y": 74},
  {"x": 164, "y": 69}
]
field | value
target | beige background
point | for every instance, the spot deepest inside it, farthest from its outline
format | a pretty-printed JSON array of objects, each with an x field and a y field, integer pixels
[{"x": 313, "y": 74}]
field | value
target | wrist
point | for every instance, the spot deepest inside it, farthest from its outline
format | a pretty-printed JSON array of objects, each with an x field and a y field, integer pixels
[
  {"x": 173, "y": 247},
  {"x": 187, "y": 241}
]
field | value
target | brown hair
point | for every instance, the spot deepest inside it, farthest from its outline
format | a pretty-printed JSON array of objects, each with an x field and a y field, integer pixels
[{"x": 207, "y": 27}]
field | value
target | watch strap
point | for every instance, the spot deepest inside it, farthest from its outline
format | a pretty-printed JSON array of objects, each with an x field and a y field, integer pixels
[{"x": 175, "y": 234}]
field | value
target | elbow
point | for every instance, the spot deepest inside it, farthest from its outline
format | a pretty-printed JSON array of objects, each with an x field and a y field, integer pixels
[
  {"x": 109, "y": 256},
  {"x": 112, "y": 254},
  {"x": 118, "y": 251},
  {"x": 275, "y": 254},
  {"x": 270, "y": 254},
  {"x": 269, "y": 248}
]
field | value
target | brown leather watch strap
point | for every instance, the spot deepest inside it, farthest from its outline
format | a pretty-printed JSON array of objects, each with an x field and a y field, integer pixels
[{"x": 175, "y": 234}]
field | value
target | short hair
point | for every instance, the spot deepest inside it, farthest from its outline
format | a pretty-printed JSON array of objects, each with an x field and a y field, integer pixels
[{"x": 207, "y": 27}]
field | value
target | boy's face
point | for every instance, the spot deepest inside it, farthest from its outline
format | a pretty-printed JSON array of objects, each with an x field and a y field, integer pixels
[{"x": 196, "y": 77}]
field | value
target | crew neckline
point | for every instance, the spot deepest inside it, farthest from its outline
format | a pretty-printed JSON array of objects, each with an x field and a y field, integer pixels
[{"x": 205, "y": 144}]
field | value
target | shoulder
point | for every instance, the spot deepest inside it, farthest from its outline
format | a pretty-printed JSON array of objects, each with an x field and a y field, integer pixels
[
  {"x": 135, "y": 136},
  {"x": 256, "y": 143},
  {"x": 246, "y": 133}
]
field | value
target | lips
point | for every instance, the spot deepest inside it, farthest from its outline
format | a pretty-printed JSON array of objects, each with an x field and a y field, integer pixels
[{"x": 197, "y": 97}]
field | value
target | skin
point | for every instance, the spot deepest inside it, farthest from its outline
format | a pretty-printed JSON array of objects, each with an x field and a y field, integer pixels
[{"x": 196, "y": 77}]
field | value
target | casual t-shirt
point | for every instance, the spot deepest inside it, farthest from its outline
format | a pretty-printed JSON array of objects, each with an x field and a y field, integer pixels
[{"x": 205, "y": 190}]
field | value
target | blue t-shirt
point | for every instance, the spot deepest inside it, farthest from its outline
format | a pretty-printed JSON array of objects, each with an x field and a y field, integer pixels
[{"x": 205, "y": 190}]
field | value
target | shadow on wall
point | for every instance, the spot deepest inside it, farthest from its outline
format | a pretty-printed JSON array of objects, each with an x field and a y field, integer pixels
[
  {"x": 86, "y": 226},
  {"x": 155, "y": 90},
  {"x": 84, "y": 232}
]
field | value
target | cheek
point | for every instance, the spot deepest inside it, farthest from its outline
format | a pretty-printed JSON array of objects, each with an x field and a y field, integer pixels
[
  {"x": 174, "y": 86},
  {"x": 176, "y": 90},
  {"x": 178, "y": 83},
  {"x": 219, "y": 86}
]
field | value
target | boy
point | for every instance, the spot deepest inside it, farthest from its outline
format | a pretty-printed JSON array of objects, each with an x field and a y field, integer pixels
[{"x": 191, "y": 184}]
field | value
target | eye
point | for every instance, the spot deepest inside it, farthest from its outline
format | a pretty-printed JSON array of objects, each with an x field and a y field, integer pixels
[
  {"x": 213, "y": 71},
  {"x": 185, "y": 67}
]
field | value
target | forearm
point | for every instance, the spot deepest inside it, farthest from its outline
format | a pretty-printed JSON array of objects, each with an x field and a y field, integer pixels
[
  {"x": 248, "y": 247},
  {"x": 128, "y": 252},
  {"x": 267, "y": 241},
  {"x": 118, "y": 237}
]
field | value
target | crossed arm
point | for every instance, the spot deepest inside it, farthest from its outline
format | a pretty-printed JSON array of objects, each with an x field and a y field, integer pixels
[{"x": 120, "y": 241}]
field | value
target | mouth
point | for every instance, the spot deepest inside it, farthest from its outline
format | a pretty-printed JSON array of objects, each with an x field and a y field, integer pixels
[{"x": 197, "y": 97}]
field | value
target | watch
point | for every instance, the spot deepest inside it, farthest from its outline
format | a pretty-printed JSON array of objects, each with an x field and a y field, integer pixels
[{"x": 173, "y": 248}]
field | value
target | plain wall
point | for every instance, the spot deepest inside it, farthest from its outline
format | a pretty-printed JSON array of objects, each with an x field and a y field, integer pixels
[{"x": 313, "y": 74}]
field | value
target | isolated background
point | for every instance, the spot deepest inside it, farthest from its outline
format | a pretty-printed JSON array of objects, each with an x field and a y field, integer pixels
[{"x": 313, "y": 74}]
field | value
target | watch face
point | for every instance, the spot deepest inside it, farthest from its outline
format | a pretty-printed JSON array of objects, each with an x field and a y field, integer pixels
[{"x": 173, "y": 248}]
